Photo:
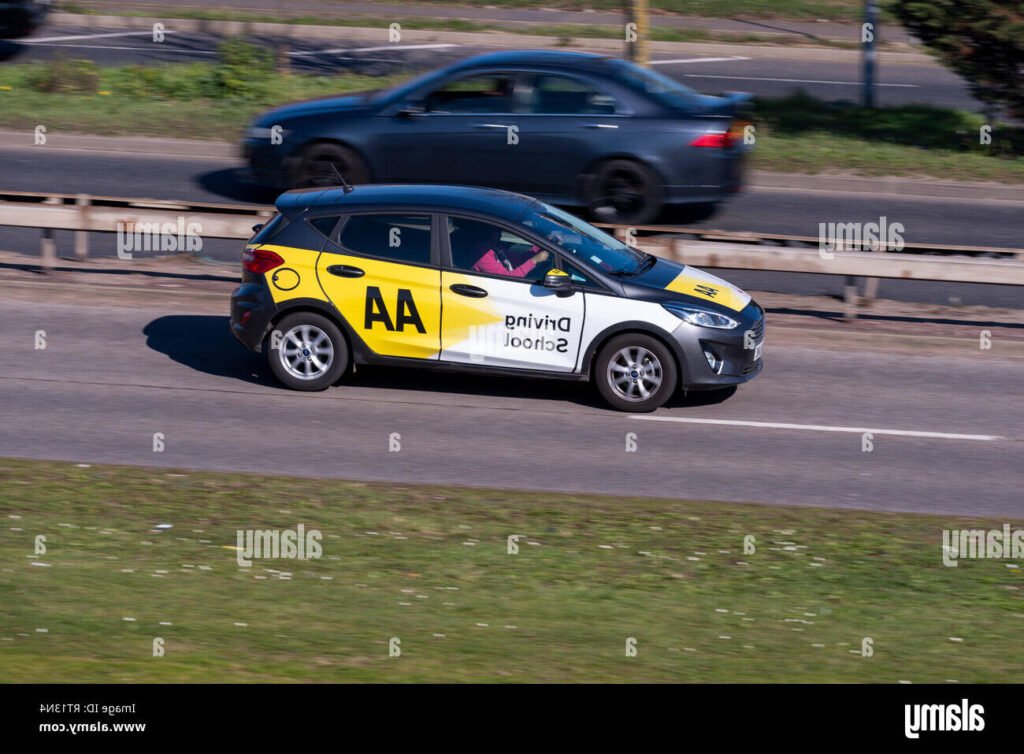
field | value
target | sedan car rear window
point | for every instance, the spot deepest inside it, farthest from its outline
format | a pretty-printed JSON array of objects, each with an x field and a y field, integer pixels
[
  {"x": 396, "y": 237},
  {"x": 563, "y": 95},
  {"x": 659, "y": 87}
]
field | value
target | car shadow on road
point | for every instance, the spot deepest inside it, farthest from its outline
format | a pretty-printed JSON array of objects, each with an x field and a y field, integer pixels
[
  {"x": 205, "y": 343},
  {"x": 231, "y": 184}
]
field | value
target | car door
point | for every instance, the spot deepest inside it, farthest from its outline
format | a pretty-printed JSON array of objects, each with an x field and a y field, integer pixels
[
  {"x": 458, "y": 132},
  {"x": 380, "y": 270},
  {"x": 504, "y": 318},
  {"x": 567, "y": 123}
]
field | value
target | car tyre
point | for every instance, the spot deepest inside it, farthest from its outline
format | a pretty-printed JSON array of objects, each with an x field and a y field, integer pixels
[
  {"x": 315, "y": 167},
  {"x": 635, "y": 372},
  {"x": 307, "y": 351},
  {"x": 624, "y": 191}
]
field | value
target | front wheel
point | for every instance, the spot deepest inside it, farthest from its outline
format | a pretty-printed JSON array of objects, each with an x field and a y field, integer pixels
[
  {"x": 307, "y": 352},
  {"x": 321, "y": 164},
  {"x": 635, "y": 372}
]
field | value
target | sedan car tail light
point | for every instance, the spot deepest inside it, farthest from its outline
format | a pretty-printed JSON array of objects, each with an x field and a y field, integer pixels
[
  {"x": 258, "y": 261},
  {"x": 714, "y": 140}
]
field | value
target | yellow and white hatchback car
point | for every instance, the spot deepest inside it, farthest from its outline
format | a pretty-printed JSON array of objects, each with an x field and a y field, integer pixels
[{"x": 482, "y": 280}]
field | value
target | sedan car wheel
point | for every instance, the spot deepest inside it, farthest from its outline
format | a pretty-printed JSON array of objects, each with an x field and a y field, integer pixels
[
  {"x": 321, "y": 164},
  {"x": 624, "y": 191}
]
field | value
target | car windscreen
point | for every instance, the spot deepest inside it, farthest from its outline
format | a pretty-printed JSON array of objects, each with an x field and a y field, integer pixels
[
  {"x": 404, "y": 92},
  {"x": 659, "y": 87},
  {"x": 583, "y": 241}
]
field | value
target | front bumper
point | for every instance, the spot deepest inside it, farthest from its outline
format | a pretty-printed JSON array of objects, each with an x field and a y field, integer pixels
[
  {"x": 733, "y": 351},
  {"x": 268, "y": 165}
]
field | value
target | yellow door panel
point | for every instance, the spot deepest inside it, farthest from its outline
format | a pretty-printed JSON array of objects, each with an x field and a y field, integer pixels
[{"x": 395, "y": 308}]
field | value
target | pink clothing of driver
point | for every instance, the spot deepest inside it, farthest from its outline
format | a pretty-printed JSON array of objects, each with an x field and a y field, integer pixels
[{"x": 499, "y": 264}]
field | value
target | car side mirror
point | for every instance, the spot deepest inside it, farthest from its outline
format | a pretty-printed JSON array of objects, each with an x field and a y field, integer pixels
[
  {"x": 411, "y": 110},
  {"x": 558, "y": 281},
  {"x": 257, "y": 227}
]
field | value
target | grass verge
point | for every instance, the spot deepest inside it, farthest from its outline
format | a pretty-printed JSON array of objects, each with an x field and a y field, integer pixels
[{"x": 430, "y": 566}]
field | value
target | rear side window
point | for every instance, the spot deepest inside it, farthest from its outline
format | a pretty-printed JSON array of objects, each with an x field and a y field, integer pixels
[
  {"x": 264, "y": 234},
  {"x": 325, "y": 225},
  {"x": 396, "y": 237},
  {"x": 562, "y": 95}
]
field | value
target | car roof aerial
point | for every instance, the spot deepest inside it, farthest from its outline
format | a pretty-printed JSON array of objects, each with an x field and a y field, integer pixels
[{"x": 504, "y": 204}]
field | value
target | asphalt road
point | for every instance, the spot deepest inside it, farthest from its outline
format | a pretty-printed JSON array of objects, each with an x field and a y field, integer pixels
[
  {"x": 790, "y": 211},
  {"x": 111, "y": 377},
  {"x": 752, "y": 71}
]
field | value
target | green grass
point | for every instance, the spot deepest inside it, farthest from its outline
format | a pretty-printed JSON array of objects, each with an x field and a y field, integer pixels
[
  {"x": 803, "y": 134},
  {"x": 167, "y": 101},
  {"x": 429, "y": 565}
]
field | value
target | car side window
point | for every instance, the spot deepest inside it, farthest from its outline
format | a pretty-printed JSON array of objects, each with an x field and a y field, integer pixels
[
  {"x": 397, "y": 237},
  {"x": 581, "y": 278},
  {"x": 325, "y": 225},
  {"x": 564, "y": 95},
  {"x": 488, "y": 93},
  {"x": 479, "y": 246}
]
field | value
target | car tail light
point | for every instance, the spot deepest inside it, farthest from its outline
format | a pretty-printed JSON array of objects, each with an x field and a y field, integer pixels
[
  {"x": 258, "y": 261},
  {"x": 714, "y": 140}
]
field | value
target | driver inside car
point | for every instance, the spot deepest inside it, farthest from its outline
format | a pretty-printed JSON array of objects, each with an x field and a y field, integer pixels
[{"x": 496, "y": 261}]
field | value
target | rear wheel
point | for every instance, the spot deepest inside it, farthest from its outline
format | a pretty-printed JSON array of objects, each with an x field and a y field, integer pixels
[
  {"x": 318, "y": 164},
  {"x": 307, "y": 351},
  {"x": 624, "y": 191},
  {"x": 635, "y": 372}
]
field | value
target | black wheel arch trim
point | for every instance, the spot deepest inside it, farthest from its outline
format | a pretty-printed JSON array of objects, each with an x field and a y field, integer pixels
[{"x": 623, "y": 328}]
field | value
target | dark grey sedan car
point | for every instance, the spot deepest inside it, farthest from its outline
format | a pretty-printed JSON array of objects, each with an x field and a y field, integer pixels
[{"x": 571, "y": 128}]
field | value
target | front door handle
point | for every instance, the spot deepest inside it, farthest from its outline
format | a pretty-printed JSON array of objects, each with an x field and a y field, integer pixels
[
  {"x": 345, "y": 271},
  {"x": 468, "y": 290},
  {"x": 490, "y": 125}
]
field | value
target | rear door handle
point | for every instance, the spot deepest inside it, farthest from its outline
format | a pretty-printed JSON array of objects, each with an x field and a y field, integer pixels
[
  {"x": 467, "y": 290},
  {"x": 600, "y": 125},
  {"x": 345, "y": 271}
]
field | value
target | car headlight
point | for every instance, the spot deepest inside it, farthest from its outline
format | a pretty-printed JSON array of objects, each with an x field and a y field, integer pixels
[
  {"x": 261, "y": 133},
  {"x": 696, "y": 315}
]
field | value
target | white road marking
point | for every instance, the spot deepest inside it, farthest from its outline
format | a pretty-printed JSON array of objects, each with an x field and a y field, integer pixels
[
  {"x": 336, "y": 50},
  {"x": 70, "y": 38},
  {"x": 698, "y": 60},
  {"x": 791, "y": 81},
  {"x": 822, "y": 428}
]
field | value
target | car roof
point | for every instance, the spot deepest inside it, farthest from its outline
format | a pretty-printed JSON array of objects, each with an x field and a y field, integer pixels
[
  {"x": 502, "y": 204},
  {"x": 559, "y": 58}
]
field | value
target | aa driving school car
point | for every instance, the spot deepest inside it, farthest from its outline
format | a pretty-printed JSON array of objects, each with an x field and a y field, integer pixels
[{"x": 486, "y": 281}]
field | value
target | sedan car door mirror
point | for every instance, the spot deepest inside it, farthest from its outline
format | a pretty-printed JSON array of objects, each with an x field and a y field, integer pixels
[{"x": 410, "y": 110}]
